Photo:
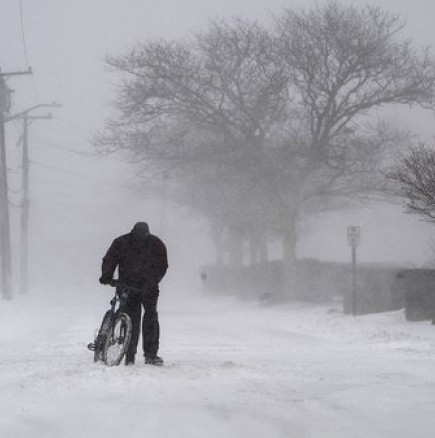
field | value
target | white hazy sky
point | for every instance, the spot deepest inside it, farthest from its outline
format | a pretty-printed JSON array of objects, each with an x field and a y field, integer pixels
[
  {"x": 66, "y": 41},
  {"x": 77, "y": 197}
]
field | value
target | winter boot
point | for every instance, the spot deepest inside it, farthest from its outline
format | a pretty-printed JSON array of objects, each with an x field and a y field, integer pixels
[{"x": 154, "y": 360}]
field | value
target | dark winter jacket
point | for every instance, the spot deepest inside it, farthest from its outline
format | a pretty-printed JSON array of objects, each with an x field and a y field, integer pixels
[{"x": 142, "y": 262}]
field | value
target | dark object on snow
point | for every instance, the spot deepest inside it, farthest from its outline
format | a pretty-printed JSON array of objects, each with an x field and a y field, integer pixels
[
  {"x": 418, "y": 286},
  {"x": 141, "y": 259}
]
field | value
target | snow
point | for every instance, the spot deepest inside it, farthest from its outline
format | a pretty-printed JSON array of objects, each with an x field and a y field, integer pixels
[{"x": 232, "y": 369}]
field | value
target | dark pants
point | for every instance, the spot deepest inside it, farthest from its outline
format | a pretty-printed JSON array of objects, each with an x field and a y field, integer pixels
[{"x": 150, "y": 322}]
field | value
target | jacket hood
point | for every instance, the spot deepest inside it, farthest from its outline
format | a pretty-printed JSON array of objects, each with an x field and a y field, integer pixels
[{"x": 140, "y": 231}]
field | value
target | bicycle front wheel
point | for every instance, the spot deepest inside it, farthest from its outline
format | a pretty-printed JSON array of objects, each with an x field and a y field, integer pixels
[
  {"x": 100, "y": 340},
  {"x": 118, "y": 340}
]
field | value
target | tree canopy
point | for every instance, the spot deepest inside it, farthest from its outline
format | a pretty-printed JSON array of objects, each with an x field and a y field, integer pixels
[{"x": 255, "y": 126}]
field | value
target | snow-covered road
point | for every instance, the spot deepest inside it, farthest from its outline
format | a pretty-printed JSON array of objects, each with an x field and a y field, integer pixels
[{"x": 233, "y": 369}]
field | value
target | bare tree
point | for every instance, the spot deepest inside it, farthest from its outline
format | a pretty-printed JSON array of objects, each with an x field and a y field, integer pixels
[
  {"x": 200, "y": 112},
  {"x": 415, "y": 177},
  {"x": 258, "y": 127},
  {"x": 343, "y": 62}
]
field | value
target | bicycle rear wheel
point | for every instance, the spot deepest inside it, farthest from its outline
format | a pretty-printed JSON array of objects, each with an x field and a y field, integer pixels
[{"x": 118, "y": 340}]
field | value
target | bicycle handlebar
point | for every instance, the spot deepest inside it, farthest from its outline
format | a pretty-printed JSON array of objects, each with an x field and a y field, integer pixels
[{"x": 117, "y": 283}]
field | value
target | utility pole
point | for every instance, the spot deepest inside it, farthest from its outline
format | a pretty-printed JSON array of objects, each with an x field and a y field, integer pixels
[
  {"x": 5, "y": 231},
  {"x": 25, "y": 203},
  {"x": 5, "y": 238}
]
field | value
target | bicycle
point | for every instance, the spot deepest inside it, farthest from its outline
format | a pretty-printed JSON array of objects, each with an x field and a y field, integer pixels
[{"x": 113, "y": 338}]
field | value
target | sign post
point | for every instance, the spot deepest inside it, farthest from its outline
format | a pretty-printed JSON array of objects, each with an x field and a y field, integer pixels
[{"x": 354, "y": 240}]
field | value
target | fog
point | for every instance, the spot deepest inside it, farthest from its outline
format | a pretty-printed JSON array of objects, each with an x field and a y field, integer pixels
[{"x": 80, "y": 201}]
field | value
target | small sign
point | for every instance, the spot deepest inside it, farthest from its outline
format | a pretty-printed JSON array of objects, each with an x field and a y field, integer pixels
[{"x": 353, "y": 235}]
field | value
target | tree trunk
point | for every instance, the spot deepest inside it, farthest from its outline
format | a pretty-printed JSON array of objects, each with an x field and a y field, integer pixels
[
  {"x": 289, "y": 241},
  {"x": 264, "y": 253},
  {"x": 253, "y": 249},
  {"x": 217, "y": 236},
  {"x": 235, "y": 246},
  {"x": 258, "y": 247}
]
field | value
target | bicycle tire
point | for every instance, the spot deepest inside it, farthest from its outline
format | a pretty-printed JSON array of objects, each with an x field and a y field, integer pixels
[
  {"x": 117, "y": 340},
  {"x": 100, "y": 341}
]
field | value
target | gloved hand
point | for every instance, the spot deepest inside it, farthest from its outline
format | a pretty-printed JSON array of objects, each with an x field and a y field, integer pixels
[
  {"x": 124, "y": 296},
  {"x": 104, "y": 280}
]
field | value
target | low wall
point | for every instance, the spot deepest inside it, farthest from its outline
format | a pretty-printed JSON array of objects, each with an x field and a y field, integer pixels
[
  {"x": 378, "y": 289},
  {"x": 418, "y": 289}
]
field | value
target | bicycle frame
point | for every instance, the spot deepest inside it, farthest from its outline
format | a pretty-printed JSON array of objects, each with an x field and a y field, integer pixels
[{"x": 121, "y": 295}]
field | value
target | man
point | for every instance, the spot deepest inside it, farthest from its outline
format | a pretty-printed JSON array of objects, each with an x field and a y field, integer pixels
[{"x": 142, "y": 262}]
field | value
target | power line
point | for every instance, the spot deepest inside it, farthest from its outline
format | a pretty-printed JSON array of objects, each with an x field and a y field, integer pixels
[
  {"x": 23, "y": 38},
  {"x": 71, "y": 172},
  {"x": 23, "y": 35},
  {"x": 44, "y": 144}
]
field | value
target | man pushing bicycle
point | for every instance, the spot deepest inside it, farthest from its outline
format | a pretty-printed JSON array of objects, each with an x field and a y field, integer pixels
[{"x": 141, "y": 259}]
